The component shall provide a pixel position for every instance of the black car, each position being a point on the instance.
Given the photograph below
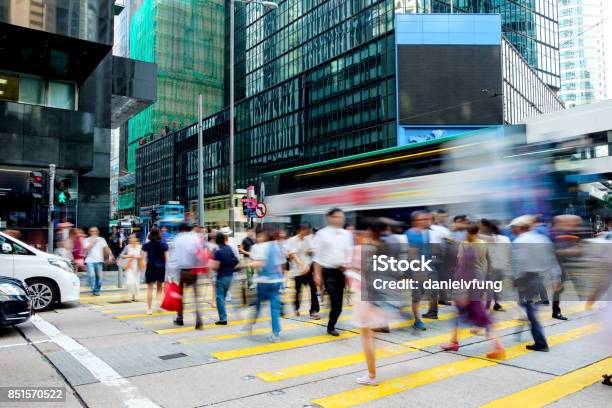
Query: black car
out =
(15, 303)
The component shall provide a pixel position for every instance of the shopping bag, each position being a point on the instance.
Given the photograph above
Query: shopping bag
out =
(204, 256)
(173, 298)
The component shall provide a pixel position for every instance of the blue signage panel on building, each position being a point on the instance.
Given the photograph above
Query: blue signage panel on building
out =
(448, 74)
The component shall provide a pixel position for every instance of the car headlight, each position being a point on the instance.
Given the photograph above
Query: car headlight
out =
(7, 289)
(61, 263)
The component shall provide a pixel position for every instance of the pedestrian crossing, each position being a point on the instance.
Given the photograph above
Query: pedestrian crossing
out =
(381, 353)
(232, 342)
(365, 394)
(555, 389)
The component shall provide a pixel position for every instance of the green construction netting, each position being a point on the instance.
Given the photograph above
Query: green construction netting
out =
(186, 40)
(126, 201)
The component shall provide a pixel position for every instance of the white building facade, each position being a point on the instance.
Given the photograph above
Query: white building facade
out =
(584, 45)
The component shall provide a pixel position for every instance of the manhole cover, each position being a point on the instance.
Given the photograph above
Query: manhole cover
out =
(172, 356)
(277, 392)
(248, 377)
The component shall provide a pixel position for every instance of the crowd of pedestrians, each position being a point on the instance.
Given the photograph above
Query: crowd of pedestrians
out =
(527, 255)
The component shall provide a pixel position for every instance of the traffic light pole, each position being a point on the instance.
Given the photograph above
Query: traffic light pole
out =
(200, 164)
(51, 207)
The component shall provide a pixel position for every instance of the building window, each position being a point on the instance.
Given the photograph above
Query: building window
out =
(32, 90)
(9, 87)
(37, 91)
(61, 95)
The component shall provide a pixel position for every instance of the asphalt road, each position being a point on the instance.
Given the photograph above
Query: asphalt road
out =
(108, 352)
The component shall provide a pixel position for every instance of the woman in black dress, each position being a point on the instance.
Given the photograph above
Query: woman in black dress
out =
(157, 255)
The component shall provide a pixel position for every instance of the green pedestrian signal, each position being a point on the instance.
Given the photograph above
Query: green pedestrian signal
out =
(62, 197)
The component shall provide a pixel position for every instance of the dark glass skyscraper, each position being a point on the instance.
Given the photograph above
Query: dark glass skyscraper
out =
(316, 80)
(61, 91)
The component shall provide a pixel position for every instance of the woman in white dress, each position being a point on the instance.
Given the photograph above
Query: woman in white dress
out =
(133, 257)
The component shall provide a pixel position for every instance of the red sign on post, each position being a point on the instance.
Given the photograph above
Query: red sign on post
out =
(261, 210)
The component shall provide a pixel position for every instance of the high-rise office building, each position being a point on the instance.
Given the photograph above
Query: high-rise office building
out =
(531, 26)
(186, 40)
(583, 45)
(120, 179)
(317, 80)
(61, 92)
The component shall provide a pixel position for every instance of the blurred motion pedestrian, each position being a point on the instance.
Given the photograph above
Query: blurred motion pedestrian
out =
(116, 241)
(227, 231)
(156, 251)
(77, 236)
(543, 228)
(211, 245)
(473, 264)
(183, 256)
(369, 315)
(333, 247)
(224, 263)
(301, 249)
(440, 236)
(268, 260)
(247, 242)
(420, 246)
(499, 252)
(532, 259)
(96, 251)
(248, 284)
(566, 235)
(133, 256)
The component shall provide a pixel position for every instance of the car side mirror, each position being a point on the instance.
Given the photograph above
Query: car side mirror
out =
(7, 248)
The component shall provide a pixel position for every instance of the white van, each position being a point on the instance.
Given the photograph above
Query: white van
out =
(51, 279)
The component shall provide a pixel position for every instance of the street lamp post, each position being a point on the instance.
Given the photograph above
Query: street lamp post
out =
(269, 5)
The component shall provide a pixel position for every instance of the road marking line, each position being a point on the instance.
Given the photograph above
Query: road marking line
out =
(29, 343)
(209, 326)
(396, 385)
(164, 313)
(555, 389)
(356, 358)
(98, 300)
(300, 324)
(87, 299)
(229, 323)
(350, 359)
(128, 393)
(283, 345)
(306, 341)
(314, 367)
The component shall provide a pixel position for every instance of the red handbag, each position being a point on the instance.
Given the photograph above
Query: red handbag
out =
(173, 297)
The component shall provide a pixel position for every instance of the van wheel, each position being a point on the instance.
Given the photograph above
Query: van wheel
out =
(43, 294)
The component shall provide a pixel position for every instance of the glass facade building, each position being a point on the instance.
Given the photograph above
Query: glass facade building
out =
(186, 39)
(583, 50)
(315, 80)
(531, 26)
(525, 93)
(61, 91)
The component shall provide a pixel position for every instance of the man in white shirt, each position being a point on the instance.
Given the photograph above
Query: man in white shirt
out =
(300, 249)
(333, 248)
(96, 250)
(532, 259)
(183, 256)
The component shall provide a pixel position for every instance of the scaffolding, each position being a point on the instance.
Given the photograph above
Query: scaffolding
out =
(186, 39)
